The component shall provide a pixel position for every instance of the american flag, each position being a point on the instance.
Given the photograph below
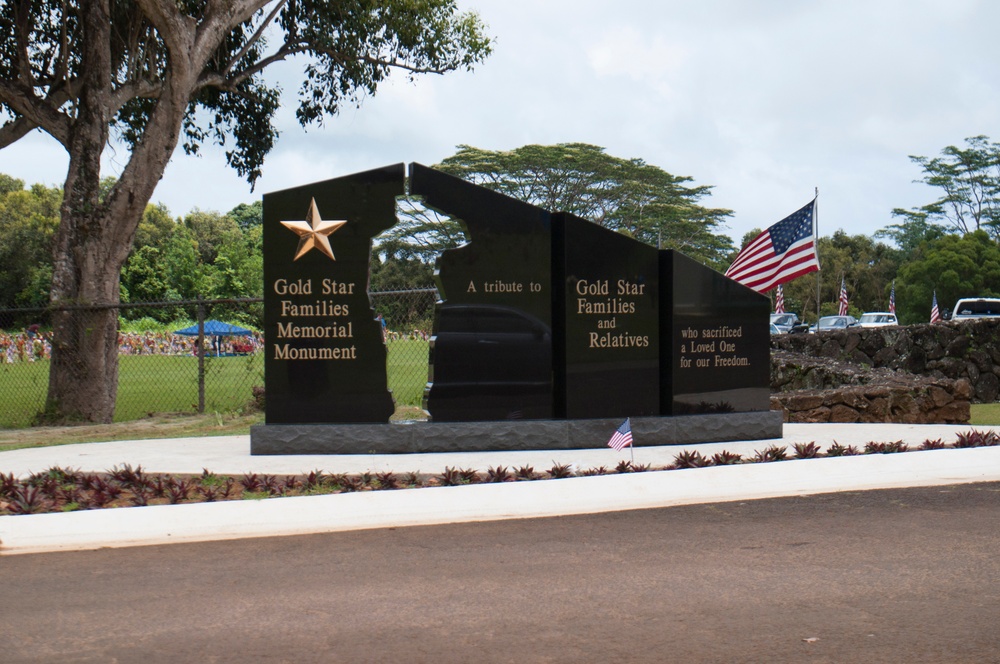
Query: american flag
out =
(781, 253)
(843, 298)
(892, 298)
(935, 312)
(623, 436)
(779, 301)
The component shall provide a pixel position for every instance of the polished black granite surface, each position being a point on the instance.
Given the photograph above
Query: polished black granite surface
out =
(491, 347)
(716, 344)
(325, 359)
(607, 342)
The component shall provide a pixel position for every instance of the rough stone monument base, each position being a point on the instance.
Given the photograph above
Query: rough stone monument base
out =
(509, 435)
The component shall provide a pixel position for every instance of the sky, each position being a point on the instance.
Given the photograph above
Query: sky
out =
(766, 101)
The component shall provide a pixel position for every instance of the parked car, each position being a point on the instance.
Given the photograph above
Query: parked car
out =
(976, 307)
(775, 329)
(830, 323)
(784, 322)
(877, 319)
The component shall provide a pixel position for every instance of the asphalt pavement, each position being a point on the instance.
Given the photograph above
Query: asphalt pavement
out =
(230, 455)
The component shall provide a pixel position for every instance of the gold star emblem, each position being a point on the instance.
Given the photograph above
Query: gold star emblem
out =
(313, 232)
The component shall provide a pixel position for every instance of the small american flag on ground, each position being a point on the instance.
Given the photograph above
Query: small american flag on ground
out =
(935, 312)
(779, 301)
(623, 436)
(781, 253)
(843, 299)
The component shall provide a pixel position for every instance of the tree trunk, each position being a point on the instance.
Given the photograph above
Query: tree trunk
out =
(83, 376)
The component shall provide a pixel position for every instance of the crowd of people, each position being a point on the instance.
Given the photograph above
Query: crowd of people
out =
(27, 346)
(33, 345)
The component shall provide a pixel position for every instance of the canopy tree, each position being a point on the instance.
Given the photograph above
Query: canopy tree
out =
(968, 180)
(625, 195)
(953, 267)
(151, 72)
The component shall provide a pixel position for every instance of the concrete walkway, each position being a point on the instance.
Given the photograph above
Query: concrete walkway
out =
(229, 455)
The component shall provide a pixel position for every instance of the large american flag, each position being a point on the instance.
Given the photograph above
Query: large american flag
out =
(779, 301)
(843, 298)
(892, 298)
(935, 312)
(622, 437)
(781, 253)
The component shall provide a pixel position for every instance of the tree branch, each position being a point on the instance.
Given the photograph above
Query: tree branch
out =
(15, 131)
(38, 112)
(255, 38)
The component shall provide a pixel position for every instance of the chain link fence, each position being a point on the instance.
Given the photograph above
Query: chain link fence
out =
(163, 369)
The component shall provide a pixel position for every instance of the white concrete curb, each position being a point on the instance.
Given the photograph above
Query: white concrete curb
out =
(484, 502)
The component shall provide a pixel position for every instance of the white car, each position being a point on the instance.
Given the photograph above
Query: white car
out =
(877, 319)
(976, 307)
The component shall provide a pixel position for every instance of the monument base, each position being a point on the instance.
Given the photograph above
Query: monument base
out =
(508, 435)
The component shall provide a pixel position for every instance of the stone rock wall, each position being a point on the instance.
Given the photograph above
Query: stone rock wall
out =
(960, 350)
(818, 389)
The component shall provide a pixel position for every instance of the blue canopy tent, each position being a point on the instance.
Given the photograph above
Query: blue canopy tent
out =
(217, 329)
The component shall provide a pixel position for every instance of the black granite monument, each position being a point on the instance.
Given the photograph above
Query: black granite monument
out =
(491, 347)
(325, 360)
(549, 332)
(607, 340)
(716, 348)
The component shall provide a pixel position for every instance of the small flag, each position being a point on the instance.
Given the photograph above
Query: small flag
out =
(892, 298)
(843, 298)
(935, 312)
(779, 301)
(623, 436)
(783, 252)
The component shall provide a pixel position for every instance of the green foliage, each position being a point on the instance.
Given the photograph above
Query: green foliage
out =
(28, 221)
(248, 215)
(625, 195)
(952, 266)
(207, 255)
(968, 180)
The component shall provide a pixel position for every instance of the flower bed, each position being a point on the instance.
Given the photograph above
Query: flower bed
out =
(64, 490)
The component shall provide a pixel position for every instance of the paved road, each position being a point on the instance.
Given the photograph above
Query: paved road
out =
(909, 575)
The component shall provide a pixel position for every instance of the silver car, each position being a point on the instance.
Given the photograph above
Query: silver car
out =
(831, 323)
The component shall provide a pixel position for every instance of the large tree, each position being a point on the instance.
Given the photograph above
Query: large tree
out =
(148, 72)
(951, 267)
(626, 195)
(968, 181)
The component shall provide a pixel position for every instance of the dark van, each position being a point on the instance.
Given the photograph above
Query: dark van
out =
(488, 363)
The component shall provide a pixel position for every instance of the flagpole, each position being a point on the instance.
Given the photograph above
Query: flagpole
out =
(816, 235)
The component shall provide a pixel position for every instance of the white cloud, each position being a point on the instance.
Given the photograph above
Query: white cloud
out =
(763, 99)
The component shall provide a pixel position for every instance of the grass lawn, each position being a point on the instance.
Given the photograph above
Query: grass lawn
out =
(152, 384)
(146, 384)
(407, 367)
(985, 414)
